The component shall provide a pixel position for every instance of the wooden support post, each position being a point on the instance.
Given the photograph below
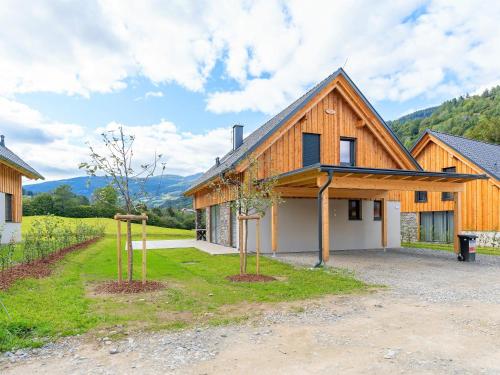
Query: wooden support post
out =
(257, 245)
(130, 254)
(241, 240)
(457, 220)
(384, 222)
(119, 249)
(274, 228)
(144, 251)
(325, 203)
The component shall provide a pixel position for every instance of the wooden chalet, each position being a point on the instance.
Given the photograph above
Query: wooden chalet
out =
(12, 169)
(340, 170)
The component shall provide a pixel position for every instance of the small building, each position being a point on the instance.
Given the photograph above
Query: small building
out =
(12, 169)
(339, 168)
(429, 216)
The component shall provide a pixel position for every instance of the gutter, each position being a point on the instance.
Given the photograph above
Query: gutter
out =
(320, 218)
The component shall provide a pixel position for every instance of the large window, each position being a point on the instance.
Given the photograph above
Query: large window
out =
(446, 196)
(420, 196)
(310, 149)
(377, 210)
(214, 223)
(354, 209)
(8, 207)
(348, 151)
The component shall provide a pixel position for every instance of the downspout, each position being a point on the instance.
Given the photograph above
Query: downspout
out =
(320, 219)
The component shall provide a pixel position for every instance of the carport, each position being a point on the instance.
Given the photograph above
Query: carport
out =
(325, 182)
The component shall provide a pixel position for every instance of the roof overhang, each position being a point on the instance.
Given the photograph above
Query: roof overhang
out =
(23, 171)
(374, 179)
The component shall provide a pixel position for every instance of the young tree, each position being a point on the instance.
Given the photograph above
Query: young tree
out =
(116, 162)
(250, 196)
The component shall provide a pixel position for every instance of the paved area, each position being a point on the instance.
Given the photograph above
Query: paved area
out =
(205, 246)
(436, 316)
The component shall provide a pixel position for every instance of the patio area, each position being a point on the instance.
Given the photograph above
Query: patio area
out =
(205, 246)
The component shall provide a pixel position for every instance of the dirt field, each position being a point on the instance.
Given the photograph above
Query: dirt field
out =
(437, 316)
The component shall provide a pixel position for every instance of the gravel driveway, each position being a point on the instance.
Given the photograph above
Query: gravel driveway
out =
(436, 316)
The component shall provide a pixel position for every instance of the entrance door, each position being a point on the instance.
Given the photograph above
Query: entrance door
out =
(436, 226)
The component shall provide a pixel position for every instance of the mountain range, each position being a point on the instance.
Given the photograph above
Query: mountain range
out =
(162, 191)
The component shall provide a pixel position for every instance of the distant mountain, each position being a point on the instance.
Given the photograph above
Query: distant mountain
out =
(476, 117)
(162, 191)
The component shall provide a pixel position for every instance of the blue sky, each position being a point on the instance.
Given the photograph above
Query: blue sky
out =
(179, 75)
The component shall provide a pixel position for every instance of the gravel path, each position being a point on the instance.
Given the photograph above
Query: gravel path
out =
(437, 316)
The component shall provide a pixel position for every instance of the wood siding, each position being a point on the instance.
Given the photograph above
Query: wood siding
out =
(285, 154)
(11, 183)
(282, 151)
(480, 200)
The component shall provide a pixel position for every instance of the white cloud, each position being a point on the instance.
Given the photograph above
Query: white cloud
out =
(153, 94)
(273, 49)
(56, 149)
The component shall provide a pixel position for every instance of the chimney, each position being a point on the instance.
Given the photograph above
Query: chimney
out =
(237, 136)
(2, 140)
(217, 161)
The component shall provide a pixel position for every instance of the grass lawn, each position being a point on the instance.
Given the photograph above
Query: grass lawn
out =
(197, 292)
(449, 247)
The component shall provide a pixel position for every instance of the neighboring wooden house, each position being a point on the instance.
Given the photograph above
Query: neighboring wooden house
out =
(12, 169)
(339, 169)
(428, 216)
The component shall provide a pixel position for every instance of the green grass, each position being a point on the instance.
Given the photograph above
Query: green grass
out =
(449, 247)
(197, 292)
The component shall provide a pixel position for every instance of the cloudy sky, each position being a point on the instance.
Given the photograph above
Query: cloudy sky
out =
(178, 74)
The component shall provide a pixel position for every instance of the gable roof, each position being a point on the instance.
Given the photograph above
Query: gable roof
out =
(232, 158)
(9, 158)
(484, 155)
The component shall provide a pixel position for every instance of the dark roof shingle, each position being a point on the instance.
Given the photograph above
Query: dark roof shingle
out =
(485, 155)
(9, 157)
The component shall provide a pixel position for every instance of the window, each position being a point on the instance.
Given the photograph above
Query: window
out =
(348, 152)
(420, 196)
(354, 210)
(377, 210)
(310, 149)
(8, 207)
(446, 196)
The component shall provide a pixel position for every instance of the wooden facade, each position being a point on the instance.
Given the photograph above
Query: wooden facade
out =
(11, 183)
(336, 112)
(480, 200)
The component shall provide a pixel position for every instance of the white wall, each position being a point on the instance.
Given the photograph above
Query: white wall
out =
(298, 227)
(8, 230)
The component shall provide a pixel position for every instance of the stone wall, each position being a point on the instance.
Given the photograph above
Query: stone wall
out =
(223, 225)
(487, 239)
(224, 232)
(409, 227)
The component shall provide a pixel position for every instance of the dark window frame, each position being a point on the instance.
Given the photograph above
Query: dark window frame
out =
(358, 212)
(9, 201)
(421, 197)
(352, 151)
(379, 203)
(304, 134)
(445, 195)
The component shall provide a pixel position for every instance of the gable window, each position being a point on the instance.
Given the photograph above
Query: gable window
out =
(348, 152)
(311, 149)
(377, 210)
(446, 196)
(420, 196)
(354, 209)
(8, 207)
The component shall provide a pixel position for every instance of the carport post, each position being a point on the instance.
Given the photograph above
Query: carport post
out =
(457, 220)
(323, 183)
(384, 221)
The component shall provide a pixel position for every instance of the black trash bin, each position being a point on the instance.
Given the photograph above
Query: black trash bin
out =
(467, 247)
